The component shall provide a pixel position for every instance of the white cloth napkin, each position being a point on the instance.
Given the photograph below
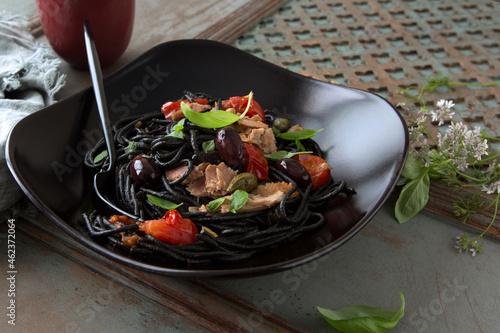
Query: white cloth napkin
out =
(29, 79)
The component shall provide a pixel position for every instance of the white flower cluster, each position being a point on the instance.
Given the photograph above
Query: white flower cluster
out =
(460, 144)
(443, 111)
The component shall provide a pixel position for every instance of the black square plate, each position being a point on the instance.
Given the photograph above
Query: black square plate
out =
(365, 140)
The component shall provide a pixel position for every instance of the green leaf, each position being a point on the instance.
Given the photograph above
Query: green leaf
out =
(169, 205)
(284, 154)
(299, 144)
(208, 146)
(211, 119)
(238, 200)
(215, 204)
(413, 197)
(102, 155)
(177, 132)
(132, 146)
(413, 167)
(298, 135)
(363, 319)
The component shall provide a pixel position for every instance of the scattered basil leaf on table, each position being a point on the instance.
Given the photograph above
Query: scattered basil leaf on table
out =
(363, 319)
(414, 196)
(169, 205)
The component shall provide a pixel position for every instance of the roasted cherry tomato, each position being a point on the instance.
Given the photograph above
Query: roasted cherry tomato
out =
(172, 110)
(256, 162)
(317, 167)
(171, 228)
(240, 105)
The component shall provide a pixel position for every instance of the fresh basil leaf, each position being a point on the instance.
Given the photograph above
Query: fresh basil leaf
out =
(413, 197)
(177, 132)
(238, 199)
(102, 155)
(298, 135)
(215, 204)
(402, 181)
(208, 146)
(280, 154)
(299, 144)
(211, 119)
(413, 167)
(132, 146)
(363, 319)
(169, 205)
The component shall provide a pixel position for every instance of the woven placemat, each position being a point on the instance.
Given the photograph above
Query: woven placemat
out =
(382, 45)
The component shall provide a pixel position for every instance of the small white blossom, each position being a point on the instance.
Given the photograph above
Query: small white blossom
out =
(443, 112)
(492, 188)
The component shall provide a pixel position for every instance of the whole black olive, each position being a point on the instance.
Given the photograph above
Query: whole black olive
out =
(295, 171)
(144, 170)
(230, 147)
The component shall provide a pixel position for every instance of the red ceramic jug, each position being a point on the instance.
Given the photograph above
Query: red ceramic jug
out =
(111, 22)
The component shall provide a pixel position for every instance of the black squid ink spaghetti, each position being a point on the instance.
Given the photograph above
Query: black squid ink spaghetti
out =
(212, 181)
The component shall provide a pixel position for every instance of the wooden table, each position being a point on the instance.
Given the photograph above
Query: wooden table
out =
(61, 286)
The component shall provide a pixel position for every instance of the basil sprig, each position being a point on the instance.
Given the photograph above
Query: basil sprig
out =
(177, 132)
(296, 135)
(238, 200)
(131, 147)
(165, 204)
(363, 319)
(102, 155)
(215, 118)
(280, 154)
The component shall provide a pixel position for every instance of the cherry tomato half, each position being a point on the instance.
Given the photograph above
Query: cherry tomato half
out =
(317, 167)
(240, 104)
(172, 110)
(256, 162)
(171, 228)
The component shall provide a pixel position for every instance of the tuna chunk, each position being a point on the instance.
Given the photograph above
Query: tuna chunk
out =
(262, 197)
(176, 173)
(254, 122)
(262, 138)
(209, 180)
(199, 107)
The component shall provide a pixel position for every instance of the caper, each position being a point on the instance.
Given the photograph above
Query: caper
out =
(243, 181)
(281, 124)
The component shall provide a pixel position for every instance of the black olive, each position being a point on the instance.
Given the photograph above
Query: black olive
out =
(144, 170)
(230, 147)
(295, 171)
